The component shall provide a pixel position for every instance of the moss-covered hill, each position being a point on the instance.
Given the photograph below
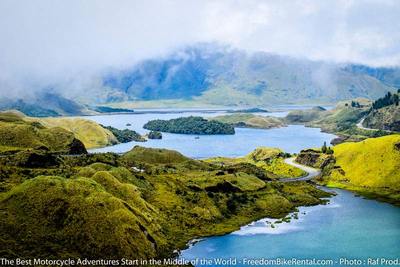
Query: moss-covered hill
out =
(250, 120)
(89, 132)
(144, 204)
(268, 159)
(18, 134)
(370, 167)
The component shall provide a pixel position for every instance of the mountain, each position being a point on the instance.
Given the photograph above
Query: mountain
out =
(45, 104)
(208, 73)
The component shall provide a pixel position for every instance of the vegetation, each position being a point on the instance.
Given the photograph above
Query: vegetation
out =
(387, 100)
(341, 121)
(314, 158)
(386, 119)
(190, 125)
(369, 167)
(326, 149)
(249, 110)
(154, 135)
(143, 204)
(268, 159)
(105, 109)
(385, 113)
(126, 135)
(92, 134)
(250, 120)
(19, 134)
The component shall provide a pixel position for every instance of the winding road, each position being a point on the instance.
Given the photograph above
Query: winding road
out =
(360, 125)
(311, 172)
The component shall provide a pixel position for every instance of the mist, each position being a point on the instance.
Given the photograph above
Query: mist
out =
(68, 45)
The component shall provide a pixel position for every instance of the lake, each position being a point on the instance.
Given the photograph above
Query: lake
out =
(348, 227)
(290, 139)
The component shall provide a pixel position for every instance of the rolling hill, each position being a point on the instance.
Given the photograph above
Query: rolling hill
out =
(369, 167)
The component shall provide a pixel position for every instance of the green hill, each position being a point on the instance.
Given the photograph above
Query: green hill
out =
(268, 159)
(89, 132)
(144, 204)
(342, 120)
(250, 120)
(370, 167)
(18, 133)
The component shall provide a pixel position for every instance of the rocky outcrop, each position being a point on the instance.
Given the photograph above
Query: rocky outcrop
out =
(76, 147)
(314, 158)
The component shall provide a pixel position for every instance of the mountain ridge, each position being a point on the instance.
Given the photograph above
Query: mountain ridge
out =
(208, 73)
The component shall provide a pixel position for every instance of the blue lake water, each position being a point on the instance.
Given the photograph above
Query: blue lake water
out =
(290, 139)
(348, 227)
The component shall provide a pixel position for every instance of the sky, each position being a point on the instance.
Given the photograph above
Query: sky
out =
(53, 40)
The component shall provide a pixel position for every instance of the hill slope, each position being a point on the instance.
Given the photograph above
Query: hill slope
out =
(385, 113)
(99, 206)
(89, 132)
(44, 104)
(369, 167)
(18, 133)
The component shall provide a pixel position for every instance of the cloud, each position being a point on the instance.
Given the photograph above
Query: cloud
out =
(47, 42)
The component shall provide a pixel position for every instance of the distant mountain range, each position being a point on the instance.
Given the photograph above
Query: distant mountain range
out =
(210, 74)
(223, 76)
(45, 104)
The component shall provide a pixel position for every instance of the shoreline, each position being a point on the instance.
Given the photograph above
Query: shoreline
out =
(195, 240)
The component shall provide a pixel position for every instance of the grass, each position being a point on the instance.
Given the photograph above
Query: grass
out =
(370, 167)
(89, 132)
(58, 218)
(372, 163)
(19, 134)
(250, 120)
(98, 206)
(269, 159)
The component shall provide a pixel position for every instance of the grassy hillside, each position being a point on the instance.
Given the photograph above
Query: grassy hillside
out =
(385, 113)
(269, 159)
(89, 132)
(342, 120)
(250, 120)
(386, 118)
(143, 204)
(19, 133)
(370, 167)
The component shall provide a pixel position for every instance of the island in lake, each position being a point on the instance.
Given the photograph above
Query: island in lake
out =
(190, 125)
